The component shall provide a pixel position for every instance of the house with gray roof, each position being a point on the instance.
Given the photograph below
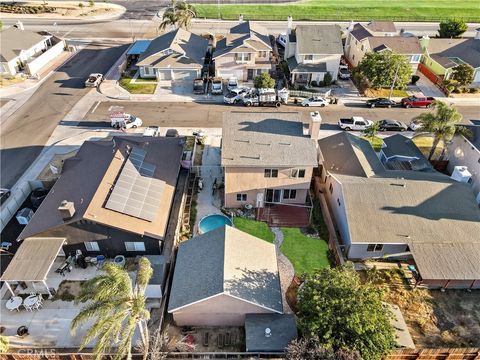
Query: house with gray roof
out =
(400, 153)
(313, 50)
(243, 52)
(268, 158)
(176, 55)
(380, 36)
(396, 214)
(223, 275)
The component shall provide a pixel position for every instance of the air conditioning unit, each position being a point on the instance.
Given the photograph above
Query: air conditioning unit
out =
(461, 174)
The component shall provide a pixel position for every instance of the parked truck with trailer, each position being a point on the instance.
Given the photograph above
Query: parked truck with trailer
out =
(262, 97)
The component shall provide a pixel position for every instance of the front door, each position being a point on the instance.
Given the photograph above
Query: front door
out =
(250, 74)
(273, 195)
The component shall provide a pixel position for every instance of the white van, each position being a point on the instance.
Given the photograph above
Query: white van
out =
(122, 120)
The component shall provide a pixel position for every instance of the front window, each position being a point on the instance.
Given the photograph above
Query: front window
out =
(308, 57)
(271, 173)
(374, 247)
(135, 246)
(297, 173)
(241, 197)
(243, 57)
(92, 246)
(415, 58)
(289, 193)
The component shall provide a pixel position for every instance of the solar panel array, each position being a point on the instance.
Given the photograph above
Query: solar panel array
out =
(137, 193)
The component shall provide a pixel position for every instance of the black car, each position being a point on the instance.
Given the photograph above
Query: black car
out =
(381, 102)
(172, 133)
(391, 125)
(4, 195)
(37, 196)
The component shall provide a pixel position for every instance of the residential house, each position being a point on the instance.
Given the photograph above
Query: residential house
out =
(313, 50)
(28, 52)
(223, 275)
(112, 198)
(382, 213)
(268, 159)
(466, 152)
(380, 36)
(243, 53)
(176, 55)
(400, 153)
(440, 56)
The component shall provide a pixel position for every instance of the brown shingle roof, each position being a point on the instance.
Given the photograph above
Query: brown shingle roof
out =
(382, 26)
(398, 44)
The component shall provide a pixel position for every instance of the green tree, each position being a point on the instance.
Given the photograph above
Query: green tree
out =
(264, 81)
(463, 74)
(372, 131)
(380, 69)
(342, 314)
(309, 349)
(452, 28)
(441, 124)
(118, 307)
(178, 14)
(327, 79)
(4, 344)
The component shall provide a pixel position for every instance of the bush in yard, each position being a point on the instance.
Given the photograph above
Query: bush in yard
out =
(463, 74)
(327, 79)
(264, 81)
(380, 68)
(314, 83)
(340, 313)
(309, 349)
(415, 78)
(452, 28)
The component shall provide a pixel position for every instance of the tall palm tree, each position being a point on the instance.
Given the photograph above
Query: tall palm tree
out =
(441, 124)
(118, 308)
(178, 14)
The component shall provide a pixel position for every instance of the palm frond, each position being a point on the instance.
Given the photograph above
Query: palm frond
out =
(144, 272)
(462, 130)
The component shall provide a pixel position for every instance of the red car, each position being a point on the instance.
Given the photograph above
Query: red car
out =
(417, 101)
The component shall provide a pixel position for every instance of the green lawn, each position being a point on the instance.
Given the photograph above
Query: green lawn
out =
(255, 228)
(374, 93)
(306, 254)
(359, 10)
(376, 142)
(136, 88)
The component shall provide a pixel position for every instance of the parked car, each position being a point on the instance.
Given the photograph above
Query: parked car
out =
(235, 95)
(282, 39)
(391, 125)
(232, 83)
(4, 195)
(380, 102)
(315, 101)
(172, 133)
(37, 196)
(418, 101)
(5, 245)
(354, 123)
(94, 80)
(343, 72)
(217, 86)
(262, 97)
(124, 121)
(198, 86)
(415, 125)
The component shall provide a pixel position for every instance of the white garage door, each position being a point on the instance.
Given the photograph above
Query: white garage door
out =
(227, 74)
(184, 74)
(164, 75)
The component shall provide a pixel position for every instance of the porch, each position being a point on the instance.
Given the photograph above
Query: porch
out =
(283, 215)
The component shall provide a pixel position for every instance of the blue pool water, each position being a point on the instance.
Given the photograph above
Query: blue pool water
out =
(211, 222)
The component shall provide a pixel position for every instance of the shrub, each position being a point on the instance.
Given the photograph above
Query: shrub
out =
(473, 90)
(327, 79)
(91, 3)
(415, 78)
(314, 83)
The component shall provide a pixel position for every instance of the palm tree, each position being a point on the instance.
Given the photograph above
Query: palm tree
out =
(441, 124)
(178, 14)
(118, 308)
(371, 131)
(4, 344)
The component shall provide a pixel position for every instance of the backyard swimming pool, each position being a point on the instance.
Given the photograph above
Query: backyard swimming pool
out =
(211, 222)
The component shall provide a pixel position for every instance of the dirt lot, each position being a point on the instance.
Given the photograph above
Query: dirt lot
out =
(435, 318)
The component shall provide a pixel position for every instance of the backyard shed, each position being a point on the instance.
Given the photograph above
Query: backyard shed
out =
(269, 332)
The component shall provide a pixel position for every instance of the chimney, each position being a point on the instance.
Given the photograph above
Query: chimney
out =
(477, 34)
(289, 25)
(424, 42)
(66, 210)
(314, 125)
(350, 26)
(19, 25)
(240, 19)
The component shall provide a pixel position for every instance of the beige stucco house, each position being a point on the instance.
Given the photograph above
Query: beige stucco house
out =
(380, 36)
(243, 53)
(223, 275)
(268, 158)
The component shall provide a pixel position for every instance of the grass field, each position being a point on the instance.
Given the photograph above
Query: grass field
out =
(133, 88)
(359, 10)
(306, 254)
(255, 228)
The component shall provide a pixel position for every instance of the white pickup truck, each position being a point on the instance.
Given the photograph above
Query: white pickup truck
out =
(354, 123)
(120, 120)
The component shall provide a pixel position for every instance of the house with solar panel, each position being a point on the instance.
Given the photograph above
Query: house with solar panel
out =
(112, 198)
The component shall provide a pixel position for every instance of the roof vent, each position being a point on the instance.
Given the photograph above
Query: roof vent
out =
(268, 332)
(67, 210)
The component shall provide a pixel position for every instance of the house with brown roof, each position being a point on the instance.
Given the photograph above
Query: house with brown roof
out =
(392, 213)
(268, 158)
(380, 36)
(112, 198)
(244, 52)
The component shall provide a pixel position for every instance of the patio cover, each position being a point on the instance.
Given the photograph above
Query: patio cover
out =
(138, 47)
(33, 259)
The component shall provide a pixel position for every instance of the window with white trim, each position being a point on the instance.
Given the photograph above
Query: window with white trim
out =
(241, 197)
(308, 58)
(91, 246)
(415, 58)
(271, 173)
(243, 57)
(374, 247)
(297, 173)
(135, 246)
(289, 193)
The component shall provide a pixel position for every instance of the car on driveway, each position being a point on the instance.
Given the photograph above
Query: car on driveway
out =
(380, 102)
(391, 125)
(216, 86)
(235, 95)
(93, 80)
(315, 101)
(343, 72)
(232, 83)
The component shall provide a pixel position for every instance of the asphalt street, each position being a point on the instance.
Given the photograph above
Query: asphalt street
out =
(25, 132)
(202, 115)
